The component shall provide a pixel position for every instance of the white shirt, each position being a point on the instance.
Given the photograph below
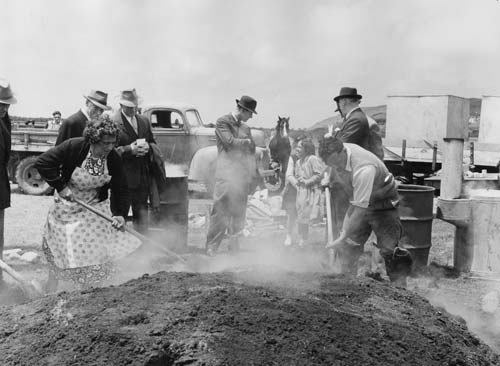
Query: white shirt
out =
(362, 181)
(84, 111)
(132, 120)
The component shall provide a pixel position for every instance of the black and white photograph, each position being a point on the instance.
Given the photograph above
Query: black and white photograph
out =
(264, 182)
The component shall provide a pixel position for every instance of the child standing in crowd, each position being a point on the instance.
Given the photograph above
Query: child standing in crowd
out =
(308, 172)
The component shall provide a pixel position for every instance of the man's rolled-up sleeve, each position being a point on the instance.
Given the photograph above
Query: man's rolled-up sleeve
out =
(362, 182)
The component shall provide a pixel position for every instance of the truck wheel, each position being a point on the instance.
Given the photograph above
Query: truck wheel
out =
(28, 178)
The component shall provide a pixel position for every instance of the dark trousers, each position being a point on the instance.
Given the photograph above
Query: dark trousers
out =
(138, 199)
(228, 212)
(2, 221)
(387, 228)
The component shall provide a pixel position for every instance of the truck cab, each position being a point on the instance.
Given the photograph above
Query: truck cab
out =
(179, 131)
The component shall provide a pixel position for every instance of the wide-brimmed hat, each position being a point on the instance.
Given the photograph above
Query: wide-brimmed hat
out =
(6, 95)
(247, 103)
(347, 92)
(99, 99)
(129, 98)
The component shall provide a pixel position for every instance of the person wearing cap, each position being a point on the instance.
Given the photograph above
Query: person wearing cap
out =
(73, 126)
(134, 146)
(56, 122)
(373, 202)
(234, 175)
(7, 98)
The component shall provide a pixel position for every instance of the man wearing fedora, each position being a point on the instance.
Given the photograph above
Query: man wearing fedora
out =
(134, 145)
(73, 126)
(6, 99)
(234, 175)
(354, 129)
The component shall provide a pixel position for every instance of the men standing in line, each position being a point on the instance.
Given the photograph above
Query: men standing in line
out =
(73, 126)
(133, 145)
(373, 207)
(6, 99)
(235, 172)
(56, 122)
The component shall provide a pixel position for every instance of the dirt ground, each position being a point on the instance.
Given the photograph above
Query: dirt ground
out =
(264, 306)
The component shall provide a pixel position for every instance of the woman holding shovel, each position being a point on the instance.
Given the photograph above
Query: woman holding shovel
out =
(79, 245)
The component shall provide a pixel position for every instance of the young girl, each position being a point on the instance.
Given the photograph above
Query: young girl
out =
(308, 171)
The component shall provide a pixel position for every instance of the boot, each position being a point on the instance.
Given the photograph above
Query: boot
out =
(398, 266)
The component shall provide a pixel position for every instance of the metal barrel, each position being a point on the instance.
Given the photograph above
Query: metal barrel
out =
(169, 224)
(416, 214)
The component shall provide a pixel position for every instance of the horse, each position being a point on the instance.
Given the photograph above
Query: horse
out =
(280, 149)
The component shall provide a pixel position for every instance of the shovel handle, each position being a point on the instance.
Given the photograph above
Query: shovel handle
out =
(331, 253)
(129, 230)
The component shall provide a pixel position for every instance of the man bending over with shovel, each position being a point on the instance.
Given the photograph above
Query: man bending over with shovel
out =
(373, 207)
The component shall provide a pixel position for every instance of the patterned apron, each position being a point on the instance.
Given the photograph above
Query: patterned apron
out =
(78, 244)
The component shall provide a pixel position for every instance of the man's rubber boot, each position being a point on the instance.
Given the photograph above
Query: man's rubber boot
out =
(399, 266)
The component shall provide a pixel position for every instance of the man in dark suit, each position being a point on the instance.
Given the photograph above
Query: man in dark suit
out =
(354, 129)
(234, 175)
(6, 99)
(133, 145)
(73, 126)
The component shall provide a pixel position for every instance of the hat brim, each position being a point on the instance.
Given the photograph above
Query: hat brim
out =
(127, 103)
(355, 96)
(246, 108)
(96, 103)
(11, 100)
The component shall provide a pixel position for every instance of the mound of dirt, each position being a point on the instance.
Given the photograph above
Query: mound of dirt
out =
(254, 317)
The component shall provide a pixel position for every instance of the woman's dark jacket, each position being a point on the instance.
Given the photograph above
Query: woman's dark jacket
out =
(5, 144)
(57, 165)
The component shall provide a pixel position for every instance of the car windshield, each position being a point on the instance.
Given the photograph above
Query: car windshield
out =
(193, 118)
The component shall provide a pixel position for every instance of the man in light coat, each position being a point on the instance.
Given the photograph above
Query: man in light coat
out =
(235, 173)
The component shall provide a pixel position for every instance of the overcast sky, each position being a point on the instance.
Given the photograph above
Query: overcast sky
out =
(291, 55)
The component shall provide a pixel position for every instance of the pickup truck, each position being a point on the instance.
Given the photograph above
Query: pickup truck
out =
(178, 130)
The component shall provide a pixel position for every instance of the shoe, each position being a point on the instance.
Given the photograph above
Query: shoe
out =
(288, 241)
(302, 243)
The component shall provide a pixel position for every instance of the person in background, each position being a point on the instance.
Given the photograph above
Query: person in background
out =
(7, 98)
(372, 207)
(134, 142)
(234, 175)
(309, 171)
(79, 245)
(55, 123)
(73, 126)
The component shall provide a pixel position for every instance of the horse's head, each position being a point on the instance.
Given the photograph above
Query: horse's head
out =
(282, 126)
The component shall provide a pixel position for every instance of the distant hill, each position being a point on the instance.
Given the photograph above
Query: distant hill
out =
(378, 113)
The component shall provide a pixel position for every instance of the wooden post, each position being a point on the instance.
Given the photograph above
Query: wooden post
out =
(471, 160)
(403, 152)
(452, 174)
(434, 156)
